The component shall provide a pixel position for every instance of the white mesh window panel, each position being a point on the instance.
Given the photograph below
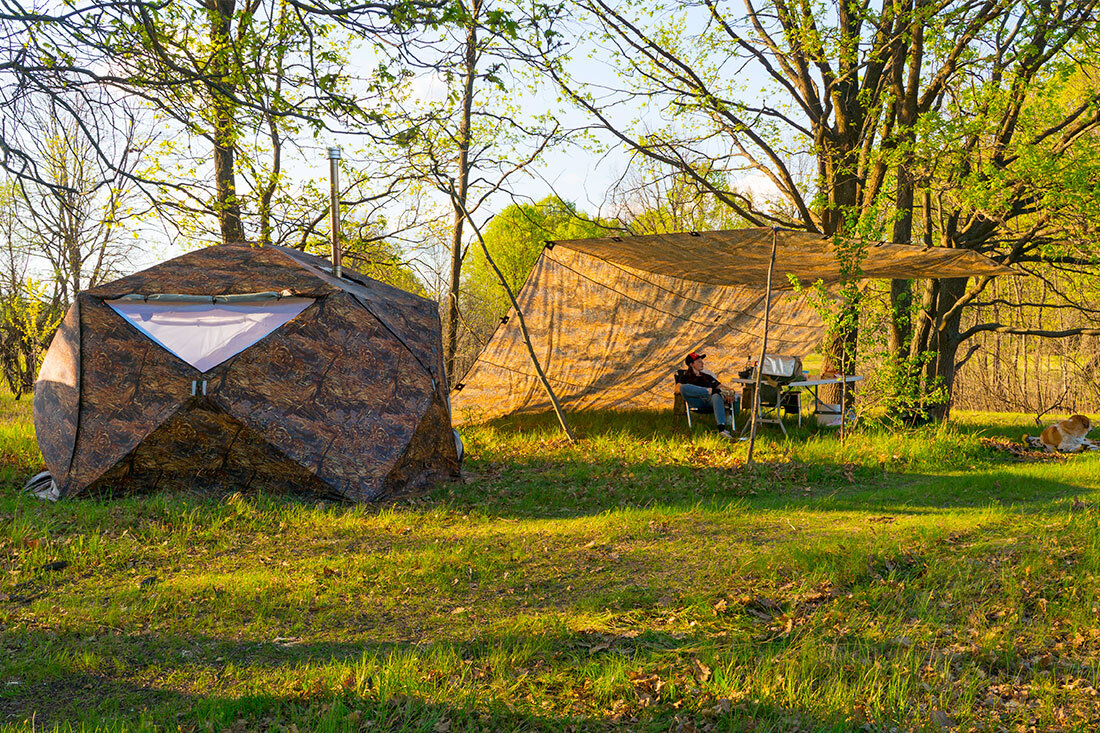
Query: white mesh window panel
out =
(206, 334)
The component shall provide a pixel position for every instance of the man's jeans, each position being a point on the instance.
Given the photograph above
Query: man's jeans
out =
(698, 397)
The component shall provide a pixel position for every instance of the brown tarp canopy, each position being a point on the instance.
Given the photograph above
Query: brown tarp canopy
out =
(741, 257)
(612, 318)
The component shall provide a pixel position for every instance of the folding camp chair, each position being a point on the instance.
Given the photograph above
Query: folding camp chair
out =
(679, 399)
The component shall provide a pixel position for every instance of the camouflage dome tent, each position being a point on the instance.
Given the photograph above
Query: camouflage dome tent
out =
(611, 319)
(237, 367)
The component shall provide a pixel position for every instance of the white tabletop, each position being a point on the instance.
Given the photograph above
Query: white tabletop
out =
(848, 378)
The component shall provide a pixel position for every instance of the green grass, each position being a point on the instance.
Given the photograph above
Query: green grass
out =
(642, 579)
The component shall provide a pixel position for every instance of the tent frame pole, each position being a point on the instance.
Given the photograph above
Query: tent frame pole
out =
(522, 323)
(763, 351)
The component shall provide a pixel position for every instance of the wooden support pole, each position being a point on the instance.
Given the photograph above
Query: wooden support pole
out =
(763, 351)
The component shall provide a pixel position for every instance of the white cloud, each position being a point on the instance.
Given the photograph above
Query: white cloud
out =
(428, 88)
(759, 187)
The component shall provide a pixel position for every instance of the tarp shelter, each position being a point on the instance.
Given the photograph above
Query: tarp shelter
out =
(246, 367)
(612, 318)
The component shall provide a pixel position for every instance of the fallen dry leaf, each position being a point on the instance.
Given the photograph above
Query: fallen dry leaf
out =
(722, 706)
(762, 608)
(701, 671)
(942, 719)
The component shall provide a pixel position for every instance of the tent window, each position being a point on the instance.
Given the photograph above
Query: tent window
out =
(206, 334)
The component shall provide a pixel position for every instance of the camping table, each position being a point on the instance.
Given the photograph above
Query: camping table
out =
(812, 384)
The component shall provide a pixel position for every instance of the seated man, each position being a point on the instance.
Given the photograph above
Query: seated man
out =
(699, 387)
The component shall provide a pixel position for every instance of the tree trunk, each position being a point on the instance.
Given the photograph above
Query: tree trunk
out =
(906, 93)
(901, 291)
(845, 184)
(901, 300)
(840, 356)
(461, 187)
(226, 203)
(945, 342)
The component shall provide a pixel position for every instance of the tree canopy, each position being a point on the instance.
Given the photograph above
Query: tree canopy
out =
(953, 123)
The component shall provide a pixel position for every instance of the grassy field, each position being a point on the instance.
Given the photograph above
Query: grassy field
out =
(642, 579)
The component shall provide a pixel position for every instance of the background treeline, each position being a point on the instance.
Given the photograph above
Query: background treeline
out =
(946, 123)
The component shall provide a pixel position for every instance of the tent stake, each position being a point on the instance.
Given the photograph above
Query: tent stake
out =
(522, 324)
(763, 351)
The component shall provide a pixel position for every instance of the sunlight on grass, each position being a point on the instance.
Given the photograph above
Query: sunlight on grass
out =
(643, 578)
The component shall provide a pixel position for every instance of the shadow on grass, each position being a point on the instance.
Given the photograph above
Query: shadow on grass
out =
(650, 460)
(522, 467)
(142, 683)
(643, 425)
(581, 490)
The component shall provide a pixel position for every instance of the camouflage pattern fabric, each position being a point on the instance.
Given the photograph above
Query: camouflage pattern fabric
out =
(348, 399)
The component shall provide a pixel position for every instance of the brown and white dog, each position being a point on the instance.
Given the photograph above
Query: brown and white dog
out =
(1067, 436)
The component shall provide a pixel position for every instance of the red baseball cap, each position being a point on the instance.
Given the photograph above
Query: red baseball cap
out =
(693, 357)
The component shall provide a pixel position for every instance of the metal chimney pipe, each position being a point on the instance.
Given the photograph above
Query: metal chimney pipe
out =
(334, 199)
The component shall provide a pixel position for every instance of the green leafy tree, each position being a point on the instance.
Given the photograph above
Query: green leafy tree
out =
(29, 308)
(819, 93)
(1014, 177)
(469, 140)
(234, 83)
(515, 237)
(854, 89)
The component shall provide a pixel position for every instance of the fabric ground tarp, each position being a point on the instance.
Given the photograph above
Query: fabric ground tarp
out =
(611, 319)
(347, 398)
